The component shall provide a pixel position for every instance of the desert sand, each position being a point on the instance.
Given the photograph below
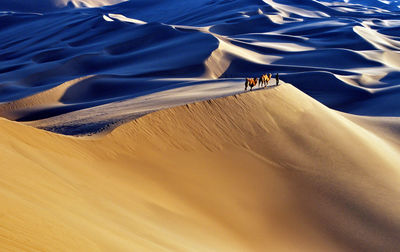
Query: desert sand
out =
(124, 125)
(84, 69)
(267, 170)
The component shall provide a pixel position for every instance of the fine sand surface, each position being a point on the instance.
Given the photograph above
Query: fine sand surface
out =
(167, 152)
(268, 170)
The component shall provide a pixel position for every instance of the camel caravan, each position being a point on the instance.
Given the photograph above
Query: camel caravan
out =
(262, 81)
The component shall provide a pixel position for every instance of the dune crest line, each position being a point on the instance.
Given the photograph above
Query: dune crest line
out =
(116, 195)
(342, 53)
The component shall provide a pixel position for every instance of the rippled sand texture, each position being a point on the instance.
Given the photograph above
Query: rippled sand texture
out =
(179, 158)
(262, 171)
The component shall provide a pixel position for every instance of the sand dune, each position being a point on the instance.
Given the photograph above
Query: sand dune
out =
(52, 5)
(132, 49)
(267, 170)
(172, 153)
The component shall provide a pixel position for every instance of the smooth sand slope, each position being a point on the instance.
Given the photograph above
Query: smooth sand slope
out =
(67, 109)
(270, 170)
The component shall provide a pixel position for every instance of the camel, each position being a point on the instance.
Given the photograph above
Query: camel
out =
(250, 82)
(264, 79)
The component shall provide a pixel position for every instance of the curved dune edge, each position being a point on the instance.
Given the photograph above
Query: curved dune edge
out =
(51, 97)
(261, 171)
(52, 5)
(214, 40)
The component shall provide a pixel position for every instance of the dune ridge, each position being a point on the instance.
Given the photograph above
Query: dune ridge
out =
(53, 5)
(129, 44)
(270, 169)
(124, 125)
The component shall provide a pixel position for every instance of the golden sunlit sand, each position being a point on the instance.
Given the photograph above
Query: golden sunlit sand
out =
(268, 170)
